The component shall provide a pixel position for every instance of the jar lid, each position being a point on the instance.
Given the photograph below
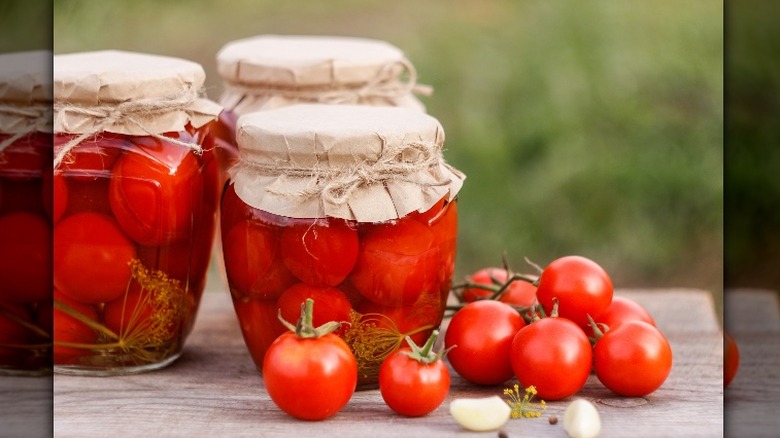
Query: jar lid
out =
(276, 70)
(128, 93)
(364, 163)
(25, 93)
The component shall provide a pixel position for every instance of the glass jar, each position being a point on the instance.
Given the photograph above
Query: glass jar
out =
(272, 71)
(352, 206)
(25, 214)
(135, 201)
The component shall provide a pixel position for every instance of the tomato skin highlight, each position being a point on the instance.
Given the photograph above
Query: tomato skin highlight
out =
(554, 355)
(581, 286)
(633, 359)
(483, 332)
(312, 378)
(412, 388)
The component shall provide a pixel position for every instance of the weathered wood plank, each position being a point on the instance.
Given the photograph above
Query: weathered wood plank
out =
(213, 389)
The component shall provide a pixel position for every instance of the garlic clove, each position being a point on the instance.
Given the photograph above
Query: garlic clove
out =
(480, 414)
(581, 419)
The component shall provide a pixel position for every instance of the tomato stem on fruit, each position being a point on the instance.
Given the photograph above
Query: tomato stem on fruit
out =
(425, 354)
(304, 328)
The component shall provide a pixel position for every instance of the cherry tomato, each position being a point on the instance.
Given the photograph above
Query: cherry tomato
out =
(483, 332)
(134, 311)
(332, 305)
(55, 195)
(554, 355)
(27, 157)
(309, 375)
(519, 292)
(414, 381)
(259, 325)
(730, 359)
(632, 359)
(69, 329)
(91, 256)
(25, 258)
(253, 261)
(155, 190)
(581, 286)
(397, 262)
(88, 196)
(321, 253)
(417, 322)
(619, 311)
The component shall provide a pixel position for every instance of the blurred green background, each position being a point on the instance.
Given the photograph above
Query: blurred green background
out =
(591, 128)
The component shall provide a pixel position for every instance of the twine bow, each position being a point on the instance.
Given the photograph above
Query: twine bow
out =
(34, 117)
(386, 84)
(336, 185)
(128, 112)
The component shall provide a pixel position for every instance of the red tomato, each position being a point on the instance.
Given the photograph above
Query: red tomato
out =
(155, 190)
(310, 378)
(321, 253)
(581, 286)
(91, 256)
(26, 158)
(483, 332)
(89, 196)
(332, 305)
(93, 158)
(519, 292)
(25, 258)
(397, 262)
(554, 355)
(632, 359)
(445, 231)
(619, 311)
(69, 329)
(259, 324)
(730, 359)
(133, 312)
(414, 381)
(253, 261)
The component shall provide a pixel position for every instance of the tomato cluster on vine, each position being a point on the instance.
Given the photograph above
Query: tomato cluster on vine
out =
(566, 324)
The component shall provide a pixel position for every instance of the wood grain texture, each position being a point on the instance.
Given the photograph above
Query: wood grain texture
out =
(214, 390)
(752, 400)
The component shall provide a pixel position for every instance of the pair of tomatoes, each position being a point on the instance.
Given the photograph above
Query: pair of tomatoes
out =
(399, 269)
(554, 353)
(121, 199)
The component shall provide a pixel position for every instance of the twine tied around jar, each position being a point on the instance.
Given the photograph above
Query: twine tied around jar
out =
(131, 111)
(32, 118)
(336, 185)
(387, 83)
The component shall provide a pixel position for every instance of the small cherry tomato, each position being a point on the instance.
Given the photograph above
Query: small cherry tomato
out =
(581, 286)
(25, 258)
(417, 322)
(93, 158)
(552, 354)
(91, 256)
(632, 359)
(519, 292)
(27, 157)
(414, 381)
(309, 372)
(260, 326)
(322, 252)
(134, 313)
(483, 332)
(249, 249)
(332, 305)
(397, 262)
(730, 359)
(155, 190)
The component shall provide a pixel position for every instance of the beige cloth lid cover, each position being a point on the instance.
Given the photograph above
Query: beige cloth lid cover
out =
(364, 163)
(128, 93)
(25, 93)
(270, 71)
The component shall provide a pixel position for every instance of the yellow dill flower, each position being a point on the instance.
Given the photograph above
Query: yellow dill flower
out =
(522, 405)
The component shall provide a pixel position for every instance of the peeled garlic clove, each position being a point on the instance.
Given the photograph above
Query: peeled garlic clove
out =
(480, 414)
(581, 419)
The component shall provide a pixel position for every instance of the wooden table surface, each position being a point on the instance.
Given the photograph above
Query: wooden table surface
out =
(214, 390)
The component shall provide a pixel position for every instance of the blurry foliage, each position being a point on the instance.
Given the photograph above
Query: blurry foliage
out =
(25, 25)
(592, 128)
